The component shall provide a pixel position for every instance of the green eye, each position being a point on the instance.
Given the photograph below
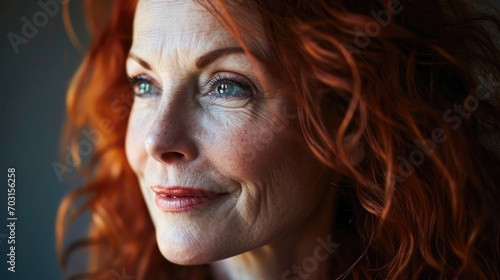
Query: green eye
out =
(141, 86)
(229, 88)
(225, 89)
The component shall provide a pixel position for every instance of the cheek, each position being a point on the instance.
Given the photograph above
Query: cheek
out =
(255, 147)
(134, 142)
(240, 146)
(267, 157)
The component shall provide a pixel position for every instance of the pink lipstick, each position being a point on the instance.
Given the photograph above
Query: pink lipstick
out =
(177, 199)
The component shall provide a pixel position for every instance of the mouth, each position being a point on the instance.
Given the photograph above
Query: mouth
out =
(182, 199)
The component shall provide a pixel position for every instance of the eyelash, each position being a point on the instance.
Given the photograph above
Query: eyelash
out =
(136, 80)
(223, 78)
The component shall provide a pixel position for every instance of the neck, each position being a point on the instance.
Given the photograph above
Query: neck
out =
(302, 253)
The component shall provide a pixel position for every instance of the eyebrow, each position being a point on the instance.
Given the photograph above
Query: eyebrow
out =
(141, 61)
(205, 60)
(201, 62)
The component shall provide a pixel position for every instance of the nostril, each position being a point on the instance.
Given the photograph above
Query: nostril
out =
(172, 156)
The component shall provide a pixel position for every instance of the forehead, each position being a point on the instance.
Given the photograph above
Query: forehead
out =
(179, 23)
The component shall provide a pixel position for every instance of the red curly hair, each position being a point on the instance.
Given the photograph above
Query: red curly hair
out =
(396, 98)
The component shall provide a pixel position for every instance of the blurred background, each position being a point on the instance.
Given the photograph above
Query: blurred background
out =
(34, 75)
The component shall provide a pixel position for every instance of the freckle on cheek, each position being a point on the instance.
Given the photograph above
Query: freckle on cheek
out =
(259, 150)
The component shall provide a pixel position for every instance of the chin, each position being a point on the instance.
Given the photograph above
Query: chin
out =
(183, 257)
(189, 254)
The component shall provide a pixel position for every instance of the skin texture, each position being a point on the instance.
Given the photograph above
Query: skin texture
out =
(247, 145)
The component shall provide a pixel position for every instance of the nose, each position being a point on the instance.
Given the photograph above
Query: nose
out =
(169, 138)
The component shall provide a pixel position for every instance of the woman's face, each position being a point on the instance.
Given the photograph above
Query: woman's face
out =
(217, 152)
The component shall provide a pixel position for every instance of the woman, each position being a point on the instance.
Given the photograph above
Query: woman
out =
(288, 140)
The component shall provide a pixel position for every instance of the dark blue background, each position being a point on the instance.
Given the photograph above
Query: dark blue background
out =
(33, 85)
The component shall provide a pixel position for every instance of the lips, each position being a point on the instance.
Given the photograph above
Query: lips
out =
(182, 199)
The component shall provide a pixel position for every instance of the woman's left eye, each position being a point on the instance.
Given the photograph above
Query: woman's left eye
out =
(227, 88)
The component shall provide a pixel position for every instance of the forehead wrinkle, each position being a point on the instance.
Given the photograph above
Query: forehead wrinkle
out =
(172, 45)
(160, 4)
(153, 10)
(167, 55)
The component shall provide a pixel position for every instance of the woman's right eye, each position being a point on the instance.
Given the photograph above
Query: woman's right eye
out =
(141, 86)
